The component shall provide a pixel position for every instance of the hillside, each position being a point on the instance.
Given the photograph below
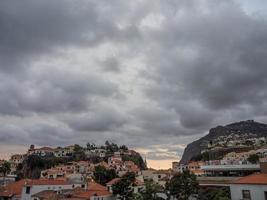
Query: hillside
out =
(249, 127)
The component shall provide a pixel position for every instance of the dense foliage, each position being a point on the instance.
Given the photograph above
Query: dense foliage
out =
(254, 159)
(123, 188)
(150, 193)
(137, 159)
(5, 168)
(182, 185)
(103, 175)
(215, 194)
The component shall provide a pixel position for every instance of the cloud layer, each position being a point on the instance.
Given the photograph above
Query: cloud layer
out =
(150, 74)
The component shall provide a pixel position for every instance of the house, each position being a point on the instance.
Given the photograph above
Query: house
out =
(44, 151)
(62, 152)
(161, 177)
(32, 187)
(12, 191)
(93, 192)
(15, 160)
(148, 174)
(96, 152)
(252, 187)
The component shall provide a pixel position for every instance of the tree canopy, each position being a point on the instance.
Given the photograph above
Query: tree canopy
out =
(123, 188)
(103, 175)
(182, 185)
(254, 158)
(5, 168)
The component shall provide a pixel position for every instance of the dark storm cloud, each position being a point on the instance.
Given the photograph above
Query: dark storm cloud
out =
(216, 58)
(163, 71)
(101, 118)
(51, 93)
(31, 28)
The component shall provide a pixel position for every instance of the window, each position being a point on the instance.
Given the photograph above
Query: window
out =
(265, 195)
(246, 194)
(28, 190)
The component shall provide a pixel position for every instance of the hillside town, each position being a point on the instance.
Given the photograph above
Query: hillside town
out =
(115, 172)
(83, 173)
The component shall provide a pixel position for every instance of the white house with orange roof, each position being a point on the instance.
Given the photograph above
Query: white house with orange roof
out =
(252, 187)
(44, 151)
(32, 187)
(12, 191)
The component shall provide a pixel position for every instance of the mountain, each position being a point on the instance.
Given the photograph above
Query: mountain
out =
(244, 127)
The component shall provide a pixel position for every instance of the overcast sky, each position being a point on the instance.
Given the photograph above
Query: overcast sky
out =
(151, 74)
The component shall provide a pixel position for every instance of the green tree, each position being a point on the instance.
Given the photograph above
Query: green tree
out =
(215, 194)
(103, 175)
(90, 146)
(111, 147)
(182, 185)
(152, 188)
(137, 159)
(123, 188)
(5, 168)
(77, 148)
(254, 158)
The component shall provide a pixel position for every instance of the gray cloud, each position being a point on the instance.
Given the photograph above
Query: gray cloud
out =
(101, 118)
(140, 73)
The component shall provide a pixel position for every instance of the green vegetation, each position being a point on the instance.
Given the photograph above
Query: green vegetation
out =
(103, 175)
(137, 159)
(182, 186)
(33, 165)
(215, 194)
(151, 190)
(254, 159)
(5, 168)
(123, 187)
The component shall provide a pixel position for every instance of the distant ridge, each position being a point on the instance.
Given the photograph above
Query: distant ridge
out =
(242, 127)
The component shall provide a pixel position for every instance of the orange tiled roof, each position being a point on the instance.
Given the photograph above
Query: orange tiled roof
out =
(96, 187)
(113, 181)
(255, 179)
(13, 188)
(47, 182)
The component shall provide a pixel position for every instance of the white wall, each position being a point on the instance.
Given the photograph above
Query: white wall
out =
(38, 188)
(256, 191)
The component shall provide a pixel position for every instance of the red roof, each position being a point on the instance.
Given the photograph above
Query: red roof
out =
(254, 179)
(94, 189)
(13, 189)
(113, 181)
(47, 182)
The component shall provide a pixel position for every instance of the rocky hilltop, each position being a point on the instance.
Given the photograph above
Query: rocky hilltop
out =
(248, 127)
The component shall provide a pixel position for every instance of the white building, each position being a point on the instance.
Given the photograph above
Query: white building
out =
(32, 187)
(252, 187)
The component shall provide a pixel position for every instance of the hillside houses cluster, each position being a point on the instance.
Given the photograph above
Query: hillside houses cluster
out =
(234, 140)
(75, 179)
